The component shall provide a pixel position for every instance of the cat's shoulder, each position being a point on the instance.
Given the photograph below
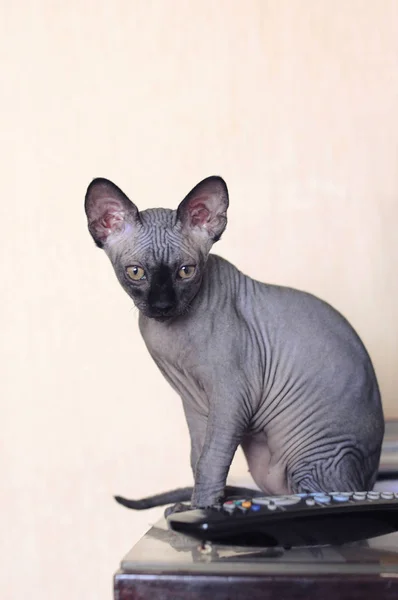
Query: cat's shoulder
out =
(217, 262)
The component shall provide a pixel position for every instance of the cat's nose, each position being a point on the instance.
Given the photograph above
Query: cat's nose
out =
(162, 305)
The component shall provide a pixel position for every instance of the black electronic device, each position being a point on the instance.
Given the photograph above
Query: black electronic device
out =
(293, 520)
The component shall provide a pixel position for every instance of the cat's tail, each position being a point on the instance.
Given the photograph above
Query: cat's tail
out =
(171, 497)
(182, 495)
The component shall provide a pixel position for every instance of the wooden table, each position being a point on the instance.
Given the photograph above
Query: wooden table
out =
(168, 566)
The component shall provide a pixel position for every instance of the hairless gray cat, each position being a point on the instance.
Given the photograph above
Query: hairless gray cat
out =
(273, 369)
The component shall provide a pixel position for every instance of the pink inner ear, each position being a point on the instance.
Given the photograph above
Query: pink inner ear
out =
(199, 213)
(110, 220)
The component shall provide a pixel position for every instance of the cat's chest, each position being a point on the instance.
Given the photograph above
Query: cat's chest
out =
(169, 343)
(180, 360)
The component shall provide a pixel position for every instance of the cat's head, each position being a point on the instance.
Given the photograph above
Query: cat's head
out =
(158, 254)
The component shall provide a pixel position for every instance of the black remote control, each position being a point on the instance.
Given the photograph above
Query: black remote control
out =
(296, 520)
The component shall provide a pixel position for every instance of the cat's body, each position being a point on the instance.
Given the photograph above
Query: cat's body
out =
(271, 368)
(299, 372)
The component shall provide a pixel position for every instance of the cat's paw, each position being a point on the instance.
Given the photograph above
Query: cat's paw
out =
(176, 508)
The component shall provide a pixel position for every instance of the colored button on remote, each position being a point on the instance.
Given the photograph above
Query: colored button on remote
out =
(341, 497)
(347, 494)
(243, 506)
(322, 498)
(229, 506)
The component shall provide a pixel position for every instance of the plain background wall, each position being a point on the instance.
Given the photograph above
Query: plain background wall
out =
(294, 103)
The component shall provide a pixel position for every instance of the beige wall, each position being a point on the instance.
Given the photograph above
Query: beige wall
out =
(294, 102)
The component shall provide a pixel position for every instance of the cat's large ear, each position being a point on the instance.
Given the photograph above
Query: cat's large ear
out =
(205, 207)
(108, 210)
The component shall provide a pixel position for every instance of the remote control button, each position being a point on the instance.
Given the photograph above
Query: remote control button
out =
(264, 500)
(286, 500)
(229, 506)
(256, 507)
(242, 505)
(340, 498)
(373, 495)
(322, 498)
(302, 495)
(272, 506)
(310, 502)
(359, 496)
(387, 495)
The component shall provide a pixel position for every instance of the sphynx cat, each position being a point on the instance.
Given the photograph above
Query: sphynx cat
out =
(273, 369)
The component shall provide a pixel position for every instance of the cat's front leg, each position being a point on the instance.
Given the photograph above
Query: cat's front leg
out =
(197, 425)
(226, 425)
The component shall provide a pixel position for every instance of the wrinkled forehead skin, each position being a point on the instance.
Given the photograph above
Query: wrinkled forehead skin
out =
(159, 239)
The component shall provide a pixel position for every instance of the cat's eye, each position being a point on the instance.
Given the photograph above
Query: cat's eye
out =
(136, 273)
(186, 271)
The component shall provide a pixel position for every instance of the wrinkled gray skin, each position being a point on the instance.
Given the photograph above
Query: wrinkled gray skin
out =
(273, 369)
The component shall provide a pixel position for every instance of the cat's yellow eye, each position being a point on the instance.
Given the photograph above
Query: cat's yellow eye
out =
(136, 273)
(186, 271)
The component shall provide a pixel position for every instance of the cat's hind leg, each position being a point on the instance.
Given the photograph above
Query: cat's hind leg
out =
(348, 473)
